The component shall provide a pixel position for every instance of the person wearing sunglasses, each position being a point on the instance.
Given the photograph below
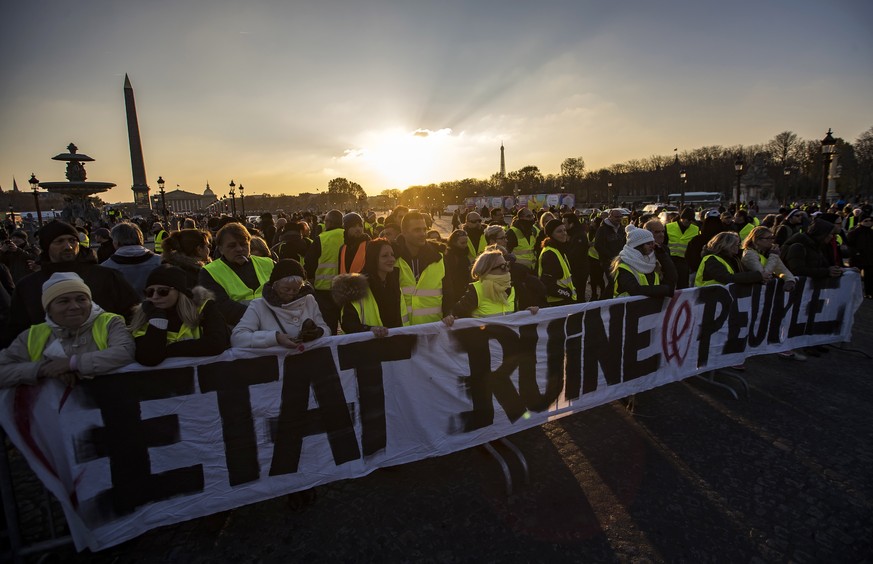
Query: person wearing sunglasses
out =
(492, 292)
(77, 340)
(175, 320)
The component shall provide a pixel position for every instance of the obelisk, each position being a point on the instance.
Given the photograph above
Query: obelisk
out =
(140, 188)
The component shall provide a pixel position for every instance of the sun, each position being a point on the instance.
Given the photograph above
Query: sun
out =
(401, 158)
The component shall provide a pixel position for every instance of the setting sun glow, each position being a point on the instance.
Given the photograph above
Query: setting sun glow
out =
(401, 158)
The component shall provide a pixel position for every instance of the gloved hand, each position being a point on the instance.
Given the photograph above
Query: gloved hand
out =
(153, 312)
(309, 331)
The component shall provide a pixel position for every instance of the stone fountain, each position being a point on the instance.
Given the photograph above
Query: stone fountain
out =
(77, 191)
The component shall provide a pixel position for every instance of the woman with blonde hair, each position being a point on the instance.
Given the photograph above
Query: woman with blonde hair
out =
(760, 253)
(491, 293)
(721, 263)
(175, 320)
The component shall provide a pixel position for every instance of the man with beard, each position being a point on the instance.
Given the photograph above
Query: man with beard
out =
(422, 271)
(475, 235)
(353, 252)
(521, 238)
(679, 234)
(60, 244)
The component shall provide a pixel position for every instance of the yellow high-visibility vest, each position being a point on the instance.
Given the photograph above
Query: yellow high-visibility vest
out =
(424, 297)
(159, 248)
(699, 281)
(328, 261)
(368, 310)
(37, 335)
(488, 307)
(233, 285)
(524, 251)
(679, 241)
(641, 278)
(566, 280)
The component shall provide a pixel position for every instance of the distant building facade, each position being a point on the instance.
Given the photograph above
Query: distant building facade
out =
(181, 202)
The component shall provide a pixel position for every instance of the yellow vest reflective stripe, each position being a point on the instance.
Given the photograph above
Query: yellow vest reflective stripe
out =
(756, 221)
(328, 261)
(233, 285)
(565, 282)
(699, 281)
(839, 239)
(183, 334)
(524, 251)
(488, 307)
(744, 232)
(473, 252)
(159, 248)
(679, 241)
(641, 278)
(423, 299)
(850, 222)
(38, 335)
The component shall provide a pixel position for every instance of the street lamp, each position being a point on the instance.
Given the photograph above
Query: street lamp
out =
(163, 200)
(242, 201)
(786, 172)
(233, 197)
(34, 185)
(828, 148)
(609, 197)
(12, 215)
(739, 164)
(683, 176)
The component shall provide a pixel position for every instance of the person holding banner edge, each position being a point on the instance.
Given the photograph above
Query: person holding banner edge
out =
(77, 340)
(634, 268)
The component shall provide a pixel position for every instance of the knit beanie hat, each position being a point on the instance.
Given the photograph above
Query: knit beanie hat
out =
(350, 220)
(54, 229)
(792, 213)
(637, 236)
(285, 268)
(820, 229)
(552, 225)
(169, 275)
(62, 283)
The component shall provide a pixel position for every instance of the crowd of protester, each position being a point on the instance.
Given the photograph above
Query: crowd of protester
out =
(77, 300)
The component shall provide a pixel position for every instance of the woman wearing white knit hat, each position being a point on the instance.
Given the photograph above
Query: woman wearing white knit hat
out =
(634, 268)
(77, 340)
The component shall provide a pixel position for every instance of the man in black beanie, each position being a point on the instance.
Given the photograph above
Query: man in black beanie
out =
(59, 242)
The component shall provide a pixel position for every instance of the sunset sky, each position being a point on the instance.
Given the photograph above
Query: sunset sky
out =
(283, 96)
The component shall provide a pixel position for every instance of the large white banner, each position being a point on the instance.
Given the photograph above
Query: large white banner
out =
(128, 452)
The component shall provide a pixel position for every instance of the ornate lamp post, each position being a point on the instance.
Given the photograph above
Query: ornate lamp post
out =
(828, 148)
(786, 172)
(609, 196)
(233, 197)
(34, 185)
(242, 201)
(739, 164)
(163, 200)
(683, 177)
(12, 215)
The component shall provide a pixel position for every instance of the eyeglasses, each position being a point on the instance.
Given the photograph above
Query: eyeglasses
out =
(504, 267)
(162, 292)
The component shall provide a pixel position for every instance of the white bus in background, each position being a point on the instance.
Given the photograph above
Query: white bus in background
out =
(698, 199)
